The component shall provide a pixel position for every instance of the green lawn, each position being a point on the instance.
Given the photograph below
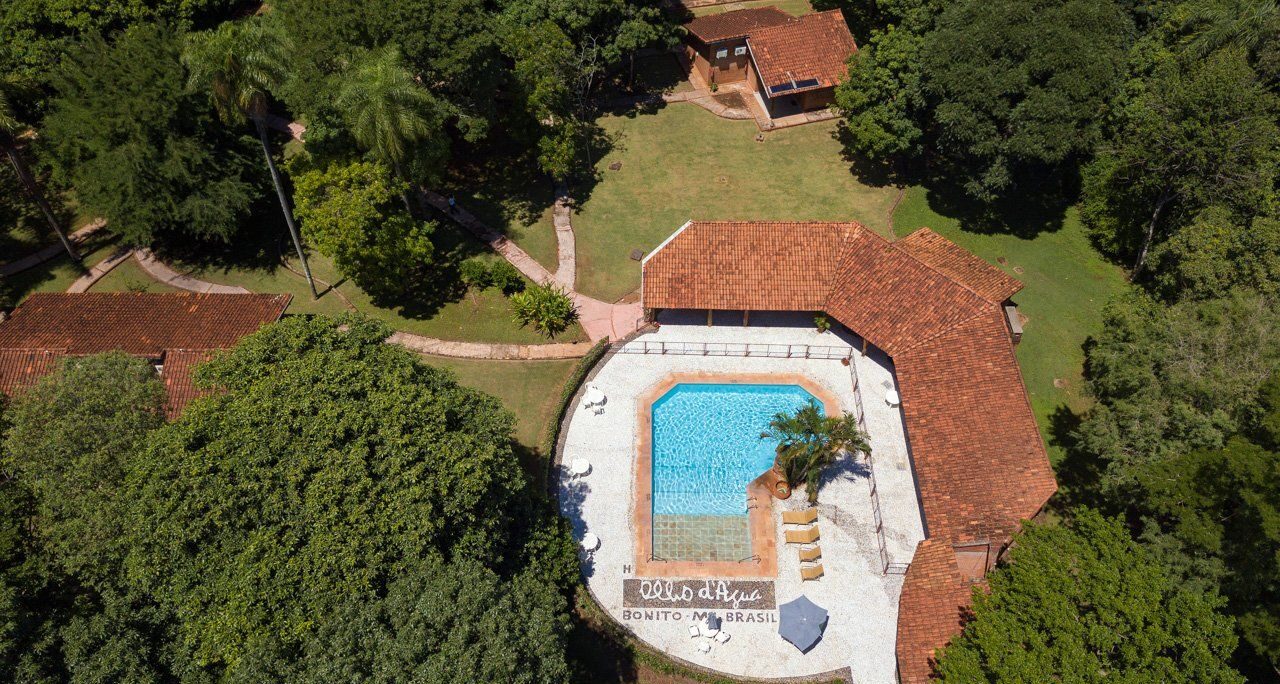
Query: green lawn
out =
(683, 162)
(129, 277)
(451, 314)
(57, 274)
(529, 389)
(1066, 284)
(514, 199)
(792, 7)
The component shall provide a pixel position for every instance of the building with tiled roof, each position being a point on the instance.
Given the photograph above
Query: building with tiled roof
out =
(940, 313)
(174, 331)
(792, 64)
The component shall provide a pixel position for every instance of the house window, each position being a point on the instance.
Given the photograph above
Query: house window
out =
(722, 53)
(740, 51)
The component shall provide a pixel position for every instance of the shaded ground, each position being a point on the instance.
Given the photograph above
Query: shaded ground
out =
(58, 273)
(129, 277)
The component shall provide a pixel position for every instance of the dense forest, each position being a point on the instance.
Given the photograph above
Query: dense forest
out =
(135, 550)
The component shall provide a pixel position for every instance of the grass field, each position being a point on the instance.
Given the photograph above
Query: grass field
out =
(57, 274)
(529, 389)
(129, 277)
(1066, 283)
(448, 313)
(683, 162)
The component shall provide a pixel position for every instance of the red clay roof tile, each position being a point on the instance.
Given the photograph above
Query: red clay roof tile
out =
(181, 329)
(978, 457)
(813, 47)
(736, 24)
(960, 264)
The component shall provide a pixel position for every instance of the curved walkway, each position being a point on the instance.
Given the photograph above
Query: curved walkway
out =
(419, 343)
(600, 319)
(98, 270)
(43, 255)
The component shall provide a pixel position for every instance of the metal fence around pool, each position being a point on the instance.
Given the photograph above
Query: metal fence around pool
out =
(743, 349)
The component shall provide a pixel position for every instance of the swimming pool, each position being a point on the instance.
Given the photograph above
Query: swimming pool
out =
(707, 446)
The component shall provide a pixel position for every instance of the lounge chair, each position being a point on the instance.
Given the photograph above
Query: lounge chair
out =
(810, 555)
(808, 535)
(805, 517)
(812, 572)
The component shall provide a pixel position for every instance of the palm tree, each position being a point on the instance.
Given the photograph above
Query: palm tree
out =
(388, 110)
(10, 88)
(239, 64)
(809, 441)
(1242, 23)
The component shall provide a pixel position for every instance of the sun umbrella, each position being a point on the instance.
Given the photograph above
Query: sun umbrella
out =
(801, 622)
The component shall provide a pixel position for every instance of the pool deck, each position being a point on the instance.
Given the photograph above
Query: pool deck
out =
(861, 598)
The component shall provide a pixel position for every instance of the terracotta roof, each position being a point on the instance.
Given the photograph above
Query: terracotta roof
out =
(814, 47)
(178, 383)
(736, 24)
(796, 261)
(960, 264)
(144, 324)
(21, 368)
(978, 458)
(180, 329)
(933, 602)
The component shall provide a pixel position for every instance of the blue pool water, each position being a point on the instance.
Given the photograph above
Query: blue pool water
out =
(707, 445)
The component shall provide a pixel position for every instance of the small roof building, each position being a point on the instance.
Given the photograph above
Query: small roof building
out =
(174, 331)
(939, 312)
(792, 63)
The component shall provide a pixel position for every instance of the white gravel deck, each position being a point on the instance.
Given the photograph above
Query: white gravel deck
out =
(862, 600)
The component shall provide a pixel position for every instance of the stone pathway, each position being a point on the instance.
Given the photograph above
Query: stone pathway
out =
(32, 260)
(98, 270)
(160, 271)
(600, 319)
(566, 246)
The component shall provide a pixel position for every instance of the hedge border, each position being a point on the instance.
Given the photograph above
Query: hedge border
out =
(551, 435)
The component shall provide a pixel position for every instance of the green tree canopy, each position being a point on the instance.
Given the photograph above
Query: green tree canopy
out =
(1174, 379)
(70, 442)
(326, 465)
(348, 211)
(1085, 603)
(1021, 85)
(1191, 136)
(1214, 254)
(138, 148)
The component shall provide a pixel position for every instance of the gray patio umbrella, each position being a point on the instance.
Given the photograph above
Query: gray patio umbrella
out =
(801, 622)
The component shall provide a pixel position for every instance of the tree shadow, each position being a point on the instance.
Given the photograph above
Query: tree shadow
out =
(1080, 472)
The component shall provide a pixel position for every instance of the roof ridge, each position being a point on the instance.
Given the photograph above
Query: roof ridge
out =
(939, 271)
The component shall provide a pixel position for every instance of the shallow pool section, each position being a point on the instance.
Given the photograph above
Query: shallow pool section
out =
(706, 450)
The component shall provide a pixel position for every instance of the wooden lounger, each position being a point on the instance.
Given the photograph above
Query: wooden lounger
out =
(808, 515)
(811, 573)
(811, 554)
(808, 535)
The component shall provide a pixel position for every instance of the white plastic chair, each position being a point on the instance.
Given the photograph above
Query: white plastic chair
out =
(694, 632)
(704, 646)
(722, 637)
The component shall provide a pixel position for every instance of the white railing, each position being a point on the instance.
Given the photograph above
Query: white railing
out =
(887, 567)
(744, 349)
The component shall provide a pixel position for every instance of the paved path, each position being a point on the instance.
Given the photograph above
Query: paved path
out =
(98, 270)
(160, 271)
(32, 260)
(600, 319)
(566, 245)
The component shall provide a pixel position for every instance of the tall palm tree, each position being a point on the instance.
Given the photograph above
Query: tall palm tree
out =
(10, 88)
(239, 64)
(809, 441)
(388, 110)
